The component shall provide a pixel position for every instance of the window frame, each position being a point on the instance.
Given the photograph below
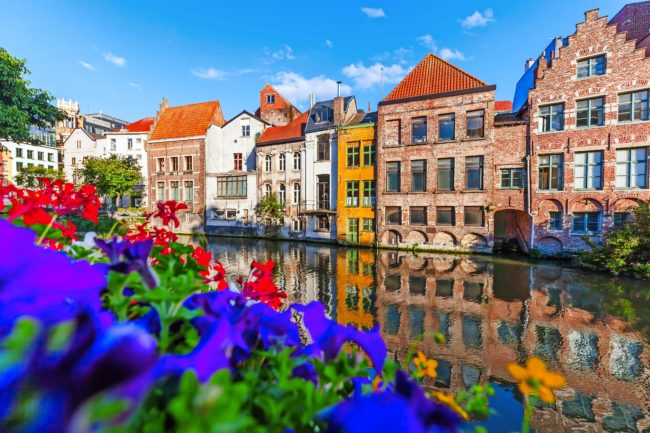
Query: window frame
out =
(418, 209)
(394, 210)
(552, 167)
(511, 178)
(480, 209)
(632, 106)
(353, 155)
(469, 169)
(589, 109)
(452, 216)
(629, 165)
(352, 193)
(397, 173)
(297, 157)
(419, 122)
(440, 126)
(323, 149)
(420, 171)
(232, 186)
(369, 193)
(470, 114)
(268, 163)
(585, 220)
(589, 66)
(553, 220)
(369, 155)
(547, 120)
(587, 174)
(282, 162)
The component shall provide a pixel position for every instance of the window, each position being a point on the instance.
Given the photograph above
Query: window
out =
(621, 218)
(282, 162)
(296, 193)
(588, 170)
(50, 157)
(296, 161)
(19, 152)
(267, 190)
(550, 172)
(632, 168)
(419, 175)
(369, 155)
(267, 163)
(282, 193)
(232, 186)
(41, 156)
(368, 225)
(189, 190)
(323, 153)
(160, 194)
(129, 143)
(296, 226)
(188, 163)
(19, 165)
(270, 98)
(447, 127)
(113, 145)
(419, 130)
(474, 172)
(418, 215)
(475, 124)
(238, 161)
(473, 216)
(161, 165)
(138, 140)
(446, 174)
(173, 191)
(353, 155)
(231, 214)
(78, 144)
(551, 117)
(512, 177)
(352, 193)
(323, 114)
(393, 216)
(591, 67)
(393, 176)
(633, 107)
(445, 216)
(555, 220)
(323, 191)
(590, 112)
(30, 154)
(323, 223)
(586, 222)
(369, 193)
(74, 161)
(174, 163)
(245, 128)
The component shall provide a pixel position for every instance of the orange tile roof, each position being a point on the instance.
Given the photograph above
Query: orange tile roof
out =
(187, 120)
(142, 125)
(502, 105)
(293, 129)
(433, 75)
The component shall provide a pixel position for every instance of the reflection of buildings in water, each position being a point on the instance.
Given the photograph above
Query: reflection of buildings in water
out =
(490, 317)
(355, 282)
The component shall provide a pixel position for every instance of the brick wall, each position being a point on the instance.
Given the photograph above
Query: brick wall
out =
(277, 113)
(627, 69)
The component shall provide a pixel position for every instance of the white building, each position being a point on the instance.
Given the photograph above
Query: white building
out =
(231, 177)
(29, 155)
(79, 146)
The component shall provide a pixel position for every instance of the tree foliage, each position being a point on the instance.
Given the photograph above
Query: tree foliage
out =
(28, 176)
(113, 176)
(21, 106)
(270, 207)
(626, 250)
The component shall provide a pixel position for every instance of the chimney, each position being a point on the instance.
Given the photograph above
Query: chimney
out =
(338, 88)
(529, 64)
(164, 104)
(312, 99)
(338, 106)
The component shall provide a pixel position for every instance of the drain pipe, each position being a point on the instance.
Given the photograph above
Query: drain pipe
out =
(528, 194)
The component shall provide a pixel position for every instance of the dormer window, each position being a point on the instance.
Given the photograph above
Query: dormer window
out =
(270, 98)
(322, 115)
(591, 66)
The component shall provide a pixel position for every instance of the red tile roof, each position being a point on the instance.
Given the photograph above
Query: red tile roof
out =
(433, 75)
(142, 125)
(502, 105)
(187, 120)
(292, 130)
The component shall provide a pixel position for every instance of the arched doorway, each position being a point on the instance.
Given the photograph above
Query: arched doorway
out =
(512, 230)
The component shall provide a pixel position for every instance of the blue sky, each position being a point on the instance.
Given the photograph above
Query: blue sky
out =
(122, 57)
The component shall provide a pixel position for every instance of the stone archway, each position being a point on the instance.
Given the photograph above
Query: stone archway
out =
(551, 246)
(444, 241)
(512, 229)
(416, 237)
(474, 242)
(391, 237)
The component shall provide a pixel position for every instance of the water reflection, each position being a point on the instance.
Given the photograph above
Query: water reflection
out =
(492, 312)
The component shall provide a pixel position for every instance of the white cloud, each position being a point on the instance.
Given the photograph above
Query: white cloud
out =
(112, 58)
(136, 86)
(365, 77)
(329, 43)
(297, 88)
(478, 19)
(374, 12)
(87, 65)
(209, 74)
(451, 54)
(284, 53)
(400, 55)
(428, 42)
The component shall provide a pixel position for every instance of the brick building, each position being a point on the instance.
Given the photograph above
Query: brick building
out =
(176, 152)
(589, 131)
(436, 160)
(275, 108)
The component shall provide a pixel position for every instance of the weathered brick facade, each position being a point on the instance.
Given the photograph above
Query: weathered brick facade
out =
(627, 69)
(275, 108)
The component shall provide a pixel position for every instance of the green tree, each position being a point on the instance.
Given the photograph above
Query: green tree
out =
(21, 106)
(28, 176)
(270, 207)
(113, 176)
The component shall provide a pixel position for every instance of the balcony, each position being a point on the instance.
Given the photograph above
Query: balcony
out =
(321, 207)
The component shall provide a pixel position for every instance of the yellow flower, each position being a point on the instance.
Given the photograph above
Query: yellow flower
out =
(535, 379)
(449, 401)
(424, 367)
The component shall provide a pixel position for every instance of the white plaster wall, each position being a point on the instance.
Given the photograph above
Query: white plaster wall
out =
(89, 147)
(12, 147)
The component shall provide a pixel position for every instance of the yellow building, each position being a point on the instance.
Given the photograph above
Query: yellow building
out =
(6, 166)
(355, 280)
(357, 188)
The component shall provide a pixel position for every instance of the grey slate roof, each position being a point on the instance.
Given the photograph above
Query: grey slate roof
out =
(321, 115)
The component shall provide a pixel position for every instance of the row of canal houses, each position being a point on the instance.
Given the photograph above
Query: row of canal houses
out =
(441, 164)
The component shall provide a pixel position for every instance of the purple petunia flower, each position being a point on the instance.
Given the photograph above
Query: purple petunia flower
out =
(126, 257)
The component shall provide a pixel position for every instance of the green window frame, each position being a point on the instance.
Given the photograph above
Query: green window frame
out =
(369, 155)
(352, 193)
(369, 193)
(353, 155)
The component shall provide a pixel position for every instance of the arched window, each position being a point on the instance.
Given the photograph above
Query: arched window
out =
(267, 163)
(296, 161)
(283, 162)
(282, 193)
(267, 190)
(296, 193)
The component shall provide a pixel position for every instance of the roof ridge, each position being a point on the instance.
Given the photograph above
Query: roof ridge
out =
(196, 103)
(456, 67)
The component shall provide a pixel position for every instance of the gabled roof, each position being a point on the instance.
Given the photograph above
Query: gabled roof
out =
(90, 135)
(142, 125)
(187, 120)
(292, 131)
(249, 114)
(431, 76)
(313, 125)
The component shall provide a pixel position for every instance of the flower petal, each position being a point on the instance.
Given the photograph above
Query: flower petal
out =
(517, 371)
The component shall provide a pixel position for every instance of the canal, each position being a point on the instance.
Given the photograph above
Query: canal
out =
(592, 328)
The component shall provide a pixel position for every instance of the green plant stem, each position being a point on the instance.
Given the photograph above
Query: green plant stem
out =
(47, 229)
(528, 414)
(110, 233)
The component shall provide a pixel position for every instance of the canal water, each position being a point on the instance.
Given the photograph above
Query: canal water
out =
(592, 328)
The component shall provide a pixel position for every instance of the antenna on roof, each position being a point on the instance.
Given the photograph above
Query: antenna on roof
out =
(338, 88)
